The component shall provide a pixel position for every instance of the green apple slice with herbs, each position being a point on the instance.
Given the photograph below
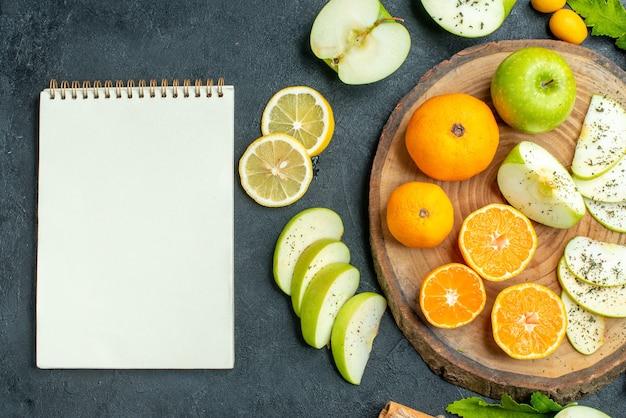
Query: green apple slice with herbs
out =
(610, 186)
(533, 90)
(534, 182)
(301, 231)
(353, 334)
(601, 300)
(602, 140)
(317, 255)
(467, 18)
(596, 262)
(580, 411)
(331, 287)
(360, 40)
(609, 215)
(585, 330)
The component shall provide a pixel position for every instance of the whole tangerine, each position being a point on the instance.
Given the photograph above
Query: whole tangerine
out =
(419, 214)
(452, 136)
(568, 26)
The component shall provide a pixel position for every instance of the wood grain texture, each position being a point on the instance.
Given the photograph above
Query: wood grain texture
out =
(468, 356)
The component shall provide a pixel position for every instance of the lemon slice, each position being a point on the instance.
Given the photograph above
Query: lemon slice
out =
(303, 113)
(275, 170)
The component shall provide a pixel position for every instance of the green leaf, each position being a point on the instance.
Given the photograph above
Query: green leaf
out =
(476, 407)
(544, 404)
(604, 17)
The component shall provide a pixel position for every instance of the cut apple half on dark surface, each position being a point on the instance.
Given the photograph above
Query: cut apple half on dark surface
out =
(360, 40)
(353, 334)
(331, 287)
(302, 230)
(468, 18)
(315, 257)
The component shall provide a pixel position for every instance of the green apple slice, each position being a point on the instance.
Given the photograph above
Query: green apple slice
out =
(534, 182)
(601, 142)
(353, 334)
(585, 330)
(317, 255)
(467, 18)
(609, 186)
(610, 215)
(360, 40)
(601, 300)
(331, 287)
(580, 411)
(596, 262)
(301, 231)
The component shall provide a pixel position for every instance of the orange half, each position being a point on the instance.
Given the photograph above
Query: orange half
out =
(497, 241)
(452, 295)
(529, 321)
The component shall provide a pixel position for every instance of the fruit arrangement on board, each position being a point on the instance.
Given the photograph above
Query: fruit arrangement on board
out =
(451, 138)
(533, 91)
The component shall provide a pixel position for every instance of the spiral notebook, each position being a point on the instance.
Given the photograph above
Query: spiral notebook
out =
(135, 226)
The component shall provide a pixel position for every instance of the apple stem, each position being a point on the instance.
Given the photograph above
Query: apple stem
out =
(358, 39)
(545, 84)
(387, 19)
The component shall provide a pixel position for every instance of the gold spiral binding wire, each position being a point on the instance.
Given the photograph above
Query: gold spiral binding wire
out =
(120, 89)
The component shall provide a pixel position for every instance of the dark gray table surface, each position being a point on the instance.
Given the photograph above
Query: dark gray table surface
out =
(259, 47)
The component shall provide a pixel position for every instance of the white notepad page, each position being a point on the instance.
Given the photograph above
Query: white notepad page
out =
(135, 229)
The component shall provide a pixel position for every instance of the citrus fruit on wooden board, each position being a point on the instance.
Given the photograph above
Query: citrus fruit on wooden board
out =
(452, 296)
(468, 356)
(529, 321)
(452, 136)
(303, 113)
(275, 170)
(497, 241)
(419, 214)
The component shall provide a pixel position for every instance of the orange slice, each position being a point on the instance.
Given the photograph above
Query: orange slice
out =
(529, 321)
(452, 295)
(497, 241)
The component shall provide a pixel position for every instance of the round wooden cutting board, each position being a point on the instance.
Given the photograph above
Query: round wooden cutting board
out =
(468, 356)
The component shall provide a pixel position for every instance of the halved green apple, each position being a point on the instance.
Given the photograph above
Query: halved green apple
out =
(596, 262)
(301, 231)
(360, 40)
(601, 300)
(317, 255)
(468, 18)
(601, 142)
(585, 330)
(353, 334)
(610, 215)
(534, 182)
(329, 289)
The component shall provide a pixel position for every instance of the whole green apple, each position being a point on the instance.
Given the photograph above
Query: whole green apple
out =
(533, 90)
